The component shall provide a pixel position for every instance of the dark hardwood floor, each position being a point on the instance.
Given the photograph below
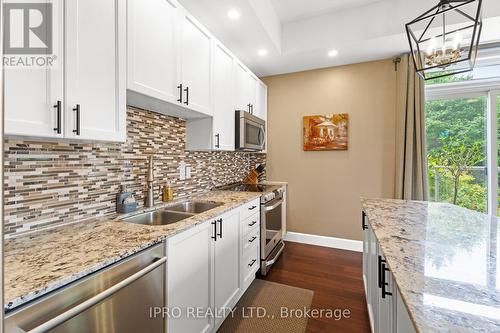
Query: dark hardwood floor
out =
(334, 275)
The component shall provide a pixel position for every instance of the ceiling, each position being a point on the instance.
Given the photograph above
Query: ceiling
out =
(298, 34)
(292, 10)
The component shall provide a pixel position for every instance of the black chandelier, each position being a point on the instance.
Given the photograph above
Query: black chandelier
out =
(444, 40)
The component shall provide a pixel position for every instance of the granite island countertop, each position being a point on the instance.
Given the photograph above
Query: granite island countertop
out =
(444, 261)
(40, 262)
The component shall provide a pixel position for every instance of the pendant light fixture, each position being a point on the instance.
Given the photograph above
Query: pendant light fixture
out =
(444, 40)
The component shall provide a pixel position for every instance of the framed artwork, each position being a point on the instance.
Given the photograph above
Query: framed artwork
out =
(328, 132)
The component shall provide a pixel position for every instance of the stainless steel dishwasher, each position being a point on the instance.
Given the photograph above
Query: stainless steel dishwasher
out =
(115, 299)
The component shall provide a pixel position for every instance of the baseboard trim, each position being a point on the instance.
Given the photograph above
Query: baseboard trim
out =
(336, 243)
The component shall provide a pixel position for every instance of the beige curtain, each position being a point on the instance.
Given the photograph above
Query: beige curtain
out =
(411, 159)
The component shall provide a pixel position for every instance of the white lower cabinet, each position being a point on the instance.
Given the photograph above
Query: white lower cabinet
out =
(190, 278)
(387, 312)
(226, 261)
(208, 271)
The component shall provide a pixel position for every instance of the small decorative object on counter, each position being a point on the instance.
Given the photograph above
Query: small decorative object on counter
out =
(125, 201)
(253, 176)
(167, 193)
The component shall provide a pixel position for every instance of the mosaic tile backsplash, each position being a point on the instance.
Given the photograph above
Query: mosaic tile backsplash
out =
(51, 183)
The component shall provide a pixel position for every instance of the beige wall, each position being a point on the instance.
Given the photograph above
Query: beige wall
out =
(325, 187)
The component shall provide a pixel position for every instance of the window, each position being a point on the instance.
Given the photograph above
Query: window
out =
(463, 133)
(456, 130)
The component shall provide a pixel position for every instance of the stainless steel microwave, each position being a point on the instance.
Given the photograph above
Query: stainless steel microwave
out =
(250, 132)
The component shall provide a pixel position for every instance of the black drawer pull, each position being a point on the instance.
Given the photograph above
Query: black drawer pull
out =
(363, 224)
(214, 237)
(252, 208)
(77, 110)
(58, 115)
(253, 262)
(186, 90)
(217, 140)
(220, 228)
(384, 283)
(252, 240)
(180, 93)
(252, 224)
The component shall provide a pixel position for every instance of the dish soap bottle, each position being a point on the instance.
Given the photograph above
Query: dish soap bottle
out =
(167, 193)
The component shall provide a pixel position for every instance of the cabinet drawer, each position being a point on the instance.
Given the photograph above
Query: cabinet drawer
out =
(250, 208)
(249, 224)
(250, 264)
(250, 239)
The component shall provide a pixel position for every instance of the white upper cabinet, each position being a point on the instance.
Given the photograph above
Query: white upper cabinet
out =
(223, 99)
(96, 69)
(83, 96)
(195, 64)
(34, 97)
(260, 109)
(243, 82)
(152, 49)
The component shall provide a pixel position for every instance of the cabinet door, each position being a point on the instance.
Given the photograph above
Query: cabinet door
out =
(385, 304)
(242, 88)
(190, 278)
(260, 108)
(31, 94)
(403, 322)
(252, 92)
(226, 278)
(195, 62)
(366, 253)
(96, 69)
(152, 49)
(223, 104)
(373, 287)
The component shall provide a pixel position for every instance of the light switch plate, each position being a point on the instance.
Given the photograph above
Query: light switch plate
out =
(188, 172)
(182, 171)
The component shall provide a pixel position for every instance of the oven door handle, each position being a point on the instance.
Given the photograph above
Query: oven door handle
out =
(269, 208)
(272, 261)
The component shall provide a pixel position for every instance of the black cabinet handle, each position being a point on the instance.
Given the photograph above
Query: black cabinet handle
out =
(379, 270)
(253, 239)
(214, 237)
(217, 140)
(253, 262)
(249, 108)
(186, 90)
(180, 93)
(252, 208)
(220, 228)
(58, 115)
(384, 283)
(77, 110)
(252, 224)
(363, 225)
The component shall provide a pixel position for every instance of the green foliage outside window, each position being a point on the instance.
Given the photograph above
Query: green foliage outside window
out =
(456, 142)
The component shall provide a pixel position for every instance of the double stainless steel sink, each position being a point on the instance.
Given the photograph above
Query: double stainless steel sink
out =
(173, 214)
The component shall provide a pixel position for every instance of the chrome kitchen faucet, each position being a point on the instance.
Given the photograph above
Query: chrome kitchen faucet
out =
(149, 195)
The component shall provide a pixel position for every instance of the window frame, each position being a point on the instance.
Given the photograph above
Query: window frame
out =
(489, 88)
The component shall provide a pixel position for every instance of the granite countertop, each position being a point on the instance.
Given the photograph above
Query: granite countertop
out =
(444, 261)
(38, 263)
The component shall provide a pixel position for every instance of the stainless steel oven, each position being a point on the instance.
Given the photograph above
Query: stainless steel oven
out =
(250, 132)
(271, 230)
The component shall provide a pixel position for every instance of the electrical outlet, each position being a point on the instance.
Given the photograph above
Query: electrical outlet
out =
(182, 171)
(188, 172)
